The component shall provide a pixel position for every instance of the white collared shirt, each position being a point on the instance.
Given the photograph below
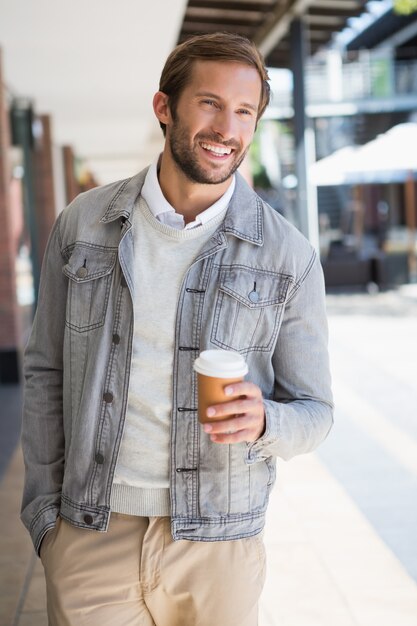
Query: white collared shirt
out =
(165, 212)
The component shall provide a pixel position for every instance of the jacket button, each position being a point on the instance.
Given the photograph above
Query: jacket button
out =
(116, 338)
(108, 397)
(88, 519)
(82, 272)
(253, 296)
(99, 458)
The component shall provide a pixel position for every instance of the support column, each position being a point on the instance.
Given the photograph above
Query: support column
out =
(411, 221)
(9, 325)
(304, 138)
(44, 182)
(22, 122)
(72, 188)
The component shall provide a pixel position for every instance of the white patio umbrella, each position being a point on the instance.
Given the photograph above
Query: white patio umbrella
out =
(390, 158)
(333, 169)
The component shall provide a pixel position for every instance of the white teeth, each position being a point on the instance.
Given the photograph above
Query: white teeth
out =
(216, 149)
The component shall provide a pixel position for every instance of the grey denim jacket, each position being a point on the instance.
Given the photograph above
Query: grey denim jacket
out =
(77, 364)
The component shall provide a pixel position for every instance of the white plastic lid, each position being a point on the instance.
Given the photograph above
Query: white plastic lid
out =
(221, 364)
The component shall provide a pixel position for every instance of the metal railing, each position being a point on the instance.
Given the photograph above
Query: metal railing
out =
(367, 77)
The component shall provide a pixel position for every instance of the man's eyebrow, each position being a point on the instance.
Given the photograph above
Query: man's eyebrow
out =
(208, 94)
(248, 105)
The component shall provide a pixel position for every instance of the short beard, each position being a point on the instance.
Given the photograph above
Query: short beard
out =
(183, 156)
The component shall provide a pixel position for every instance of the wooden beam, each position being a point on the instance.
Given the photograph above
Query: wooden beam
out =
(320, 34)
(230, 5)
(278, 24)
(336, 5)
(333, 21)
(201, 27)
(223, 17)
(343, 13)
(266, 22)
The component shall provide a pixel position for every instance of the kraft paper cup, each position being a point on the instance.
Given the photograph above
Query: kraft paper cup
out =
(215, 370)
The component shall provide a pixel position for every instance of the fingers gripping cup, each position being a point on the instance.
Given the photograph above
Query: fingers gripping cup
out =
(215, 370)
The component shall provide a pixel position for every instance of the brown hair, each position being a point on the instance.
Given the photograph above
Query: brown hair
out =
(211, 47)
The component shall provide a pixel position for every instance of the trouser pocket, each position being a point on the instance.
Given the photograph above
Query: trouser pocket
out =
(48, 540)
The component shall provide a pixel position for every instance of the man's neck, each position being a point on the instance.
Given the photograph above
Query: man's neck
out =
(188, 198)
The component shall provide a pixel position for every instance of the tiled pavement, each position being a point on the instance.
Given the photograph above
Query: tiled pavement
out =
(341, 531)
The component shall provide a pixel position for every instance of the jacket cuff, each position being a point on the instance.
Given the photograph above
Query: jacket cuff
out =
(256, 450)
(43, 521)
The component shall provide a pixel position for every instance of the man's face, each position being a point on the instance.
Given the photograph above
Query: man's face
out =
(215, 120)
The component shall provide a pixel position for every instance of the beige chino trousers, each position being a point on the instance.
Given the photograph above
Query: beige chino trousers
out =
(136, 575)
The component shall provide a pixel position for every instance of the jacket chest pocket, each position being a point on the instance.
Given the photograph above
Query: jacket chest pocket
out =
(248, 308)
(89, 271)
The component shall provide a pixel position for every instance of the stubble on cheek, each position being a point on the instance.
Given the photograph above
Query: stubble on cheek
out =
(187, 160)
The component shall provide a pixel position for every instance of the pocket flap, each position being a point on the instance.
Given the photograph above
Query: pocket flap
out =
(88, 263)
(254, 288)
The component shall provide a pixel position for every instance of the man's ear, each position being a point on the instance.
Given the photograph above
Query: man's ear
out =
(161, 107)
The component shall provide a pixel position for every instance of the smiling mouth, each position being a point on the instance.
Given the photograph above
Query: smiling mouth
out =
(217, 150)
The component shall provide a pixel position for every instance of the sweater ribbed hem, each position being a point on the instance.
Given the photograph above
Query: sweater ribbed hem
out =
(142, 502)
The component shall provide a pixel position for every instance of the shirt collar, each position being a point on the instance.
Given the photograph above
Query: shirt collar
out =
(159, 205)
(244, 218)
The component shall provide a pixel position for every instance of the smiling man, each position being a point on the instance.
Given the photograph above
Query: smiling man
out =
(141, 515)
(211, 126)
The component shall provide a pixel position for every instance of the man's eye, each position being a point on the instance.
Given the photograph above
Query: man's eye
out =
(209, 102)
(245, 112)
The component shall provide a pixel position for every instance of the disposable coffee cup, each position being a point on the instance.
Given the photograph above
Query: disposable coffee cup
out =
(215, 370)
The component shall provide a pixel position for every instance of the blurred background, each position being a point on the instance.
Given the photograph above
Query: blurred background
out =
(336, 154)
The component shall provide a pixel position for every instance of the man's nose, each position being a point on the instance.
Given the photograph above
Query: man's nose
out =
(224, 124)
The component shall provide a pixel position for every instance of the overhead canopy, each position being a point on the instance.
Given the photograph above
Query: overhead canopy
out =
(267, 22)
(390, 24)
(390, 158)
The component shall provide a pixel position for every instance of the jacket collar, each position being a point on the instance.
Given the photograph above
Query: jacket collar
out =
(122, 202)
(244, 218)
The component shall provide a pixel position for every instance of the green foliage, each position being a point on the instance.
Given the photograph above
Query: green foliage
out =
(258, 171)
(405, 7)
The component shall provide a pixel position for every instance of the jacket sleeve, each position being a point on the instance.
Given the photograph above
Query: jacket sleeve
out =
(42, 424)
(300, 414)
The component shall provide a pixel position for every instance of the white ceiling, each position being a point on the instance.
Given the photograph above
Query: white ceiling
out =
(94, 65)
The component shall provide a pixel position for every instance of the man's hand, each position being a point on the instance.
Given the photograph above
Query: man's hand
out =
(248, 421)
